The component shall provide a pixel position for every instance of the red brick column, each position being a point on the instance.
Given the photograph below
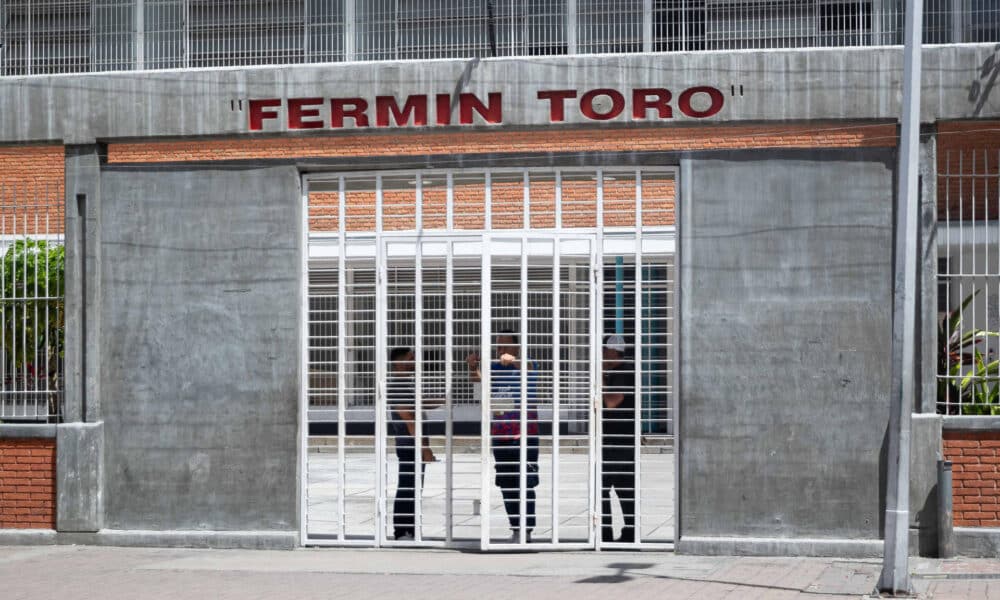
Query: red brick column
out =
(28, 483)
(975, 457)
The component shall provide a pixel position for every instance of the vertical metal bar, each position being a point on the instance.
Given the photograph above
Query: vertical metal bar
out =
(957, 21)
(187, 34)
(50, 295)
(140, 35)
(638, 347)
(647, 25)
(523, 412)
(35, 384)
(488, 201)
(558, 200)
(418, 334)
(961, 237)
(5, 197)
(381, 336)
(449, 425)
(306, 46)
(29, 44)
(572, 28)
(485, 341)
(596, 370)
(303, 478)
(525, 202)
(18, 304)
(450, 203)
(556, 388)
(341, 360)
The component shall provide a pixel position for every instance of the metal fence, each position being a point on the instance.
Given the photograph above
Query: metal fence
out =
(32, 260)
(968, 350)
(71, 36)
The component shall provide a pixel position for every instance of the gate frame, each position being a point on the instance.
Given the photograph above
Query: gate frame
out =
(597, 234)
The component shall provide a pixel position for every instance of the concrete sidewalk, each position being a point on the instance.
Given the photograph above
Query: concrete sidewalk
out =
(47, 572)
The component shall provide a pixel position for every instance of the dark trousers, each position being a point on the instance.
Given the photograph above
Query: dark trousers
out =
(618, 472)
(507, 454)
(404, 506)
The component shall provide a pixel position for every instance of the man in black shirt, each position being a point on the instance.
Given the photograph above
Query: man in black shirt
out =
(618, 439)
(401, 396)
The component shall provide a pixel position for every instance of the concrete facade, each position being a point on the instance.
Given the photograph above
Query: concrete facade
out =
(801, 292)
(200, 337)
(779, 85)
(183, 308)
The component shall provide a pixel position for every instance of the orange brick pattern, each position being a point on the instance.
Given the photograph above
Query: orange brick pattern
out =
(578, 199)
(31, 190)
(968, 156)
(702, 137)
(975, 457)
(27, 483)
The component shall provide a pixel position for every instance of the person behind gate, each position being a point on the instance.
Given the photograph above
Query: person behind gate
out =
(505, 429)
(618, 439)
(401, 396)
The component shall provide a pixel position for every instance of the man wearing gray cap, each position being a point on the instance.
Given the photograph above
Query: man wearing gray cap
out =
(618, 439)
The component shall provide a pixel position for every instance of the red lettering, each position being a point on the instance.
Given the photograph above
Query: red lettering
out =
(415, 105)
(297, 111)
(258, 112)
(338, 111)
(557, 100)
(587, 104)
(443, 109)
(491, 112)
(642, 102)
(684, 102)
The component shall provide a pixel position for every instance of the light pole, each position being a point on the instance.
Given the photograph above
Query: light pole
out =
(895, 576)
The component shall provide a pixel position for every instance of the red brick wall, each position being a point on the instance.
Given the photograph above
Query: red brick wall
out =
(970, 149)
(31, 189)
(579, 196)
(975, 457)
(396, 143)
(27, 483)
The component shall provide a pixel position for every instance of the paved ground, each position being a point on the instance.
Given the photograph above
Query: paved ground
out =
(48, 572)
(571, 497)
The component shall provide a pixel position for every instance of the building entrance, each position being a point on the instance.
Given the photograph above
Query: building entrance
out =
(487, 388)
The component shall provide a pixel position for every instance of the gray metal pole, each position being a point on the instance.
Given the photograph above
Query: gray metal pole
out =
(946, 532)
(895, 576)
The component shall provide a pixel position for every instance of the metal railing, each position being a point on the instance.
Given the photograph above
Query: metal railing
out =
(76, 36)
(32, 299)
(968, 365)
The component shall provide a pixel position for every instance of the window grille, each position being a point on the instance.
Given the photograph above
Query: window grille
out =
(32, 301)
(71, 36)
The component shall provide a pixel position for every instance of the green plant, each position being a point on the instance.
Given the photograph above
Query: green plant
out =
(33, 277)
(972, 385)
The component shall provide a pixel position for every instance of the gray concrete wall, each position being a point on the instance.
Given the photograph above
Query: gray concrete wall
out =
(80, 477)
(841, 83)
(785, 332)
(200, 346)
(925, 451)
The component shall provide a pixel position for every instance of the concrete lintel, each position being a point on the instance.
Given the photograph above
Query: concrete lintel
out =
(27, 430)
(977, 542)
(243, 540)
(80, 477)
(756, 546)
(972, 423)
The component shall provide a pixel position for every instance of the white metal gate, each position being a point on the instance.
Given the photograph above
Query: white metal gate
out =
(406, 276)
